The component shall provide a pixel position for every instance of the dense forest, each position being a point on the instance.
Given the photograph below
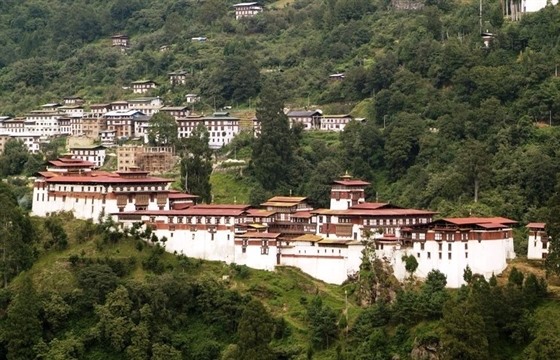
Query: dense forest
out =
(452, 125)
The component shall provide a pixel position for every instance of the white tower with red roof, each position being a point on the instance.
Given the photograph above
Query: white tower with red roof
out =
(347, 192)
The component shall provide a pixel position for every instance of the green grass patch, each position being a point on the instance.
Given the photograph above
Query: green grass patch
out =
(230, 187)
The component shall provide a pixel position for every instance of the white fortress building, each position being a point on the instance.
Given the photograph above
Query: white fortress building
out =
(284, 231)
(538, 244)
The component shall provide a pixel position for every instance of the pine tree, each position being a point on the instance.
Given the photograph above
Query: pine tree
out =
(22, 328)
(552, 262)
(196, 165)
(273, 152)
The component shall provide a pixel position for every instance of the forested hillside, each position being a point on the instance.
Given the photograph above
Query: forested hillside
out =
(452, 126)
(450, 122)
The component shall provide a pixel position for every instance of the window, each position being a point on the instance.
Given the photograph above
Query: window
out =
(421, 246)
(449, 247)
(440, 247)
(418, 255)
(466, 255)
(440, 256)
(466, 246)
(544, 245)
(438, 237)
(449, 256)
(429, 255)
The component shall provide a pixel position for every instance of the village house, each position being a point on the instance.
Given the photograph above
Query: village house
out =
(248, 9)
(335, 122)
(107, 137)
(310, 120)
(192, 98)
(13, 126)
(31, 141)
(73, 100)
(222, 128)
(97, 110)
(178, 77)
(123, 122)
(538, 243)
(43, 122)
(64, 127)
(89, 126)
(178, 112)
(94, 154)
(120, 41)
(147, 105)
(143, 86)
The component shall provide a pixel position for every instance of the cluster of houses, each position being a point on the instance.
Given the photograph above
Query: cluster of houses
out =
(109, 123)
(285, 230)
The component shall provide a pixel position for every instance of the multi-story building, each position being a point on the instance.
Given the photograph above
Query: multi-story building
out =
(123, 122)
(94, 154)
(450, 245)
(178, 112)
(538, 242)
(248, 9)
(147, 158)
(222, 128)
(43, 122)
(72, 185)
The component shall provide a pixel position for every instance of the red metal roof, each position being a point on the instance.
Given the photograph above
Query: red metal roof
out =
(190, 211)
(536, 225)
(374, 212)
(260, 212)
(480, 220)
(104, 179)
(222, 206)
(372, 205)
(351, 182)
(76, 163)
(263, 235)
(302, 214)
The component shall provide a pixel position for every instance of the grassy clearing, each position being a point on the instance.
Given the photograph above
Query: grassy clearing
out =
(229, 187)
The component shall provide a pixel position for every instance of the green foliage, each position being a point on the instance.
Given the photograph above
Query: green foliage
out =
(162, 130)
(196, 164)
(22, 329)
(322, 324)
(254, 333)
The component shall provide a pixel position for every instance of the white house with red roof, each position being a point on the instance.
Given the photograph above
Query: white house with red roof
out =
(538, 244)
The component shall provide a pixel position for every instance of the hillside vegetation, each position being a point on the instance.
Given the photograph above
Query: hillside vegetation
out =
(451, 126)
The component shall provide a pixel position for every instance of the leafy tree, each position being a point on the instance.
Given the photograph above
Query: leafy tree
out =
(59, 239)
(17, 240)
(462, 335)
(115, 324)
(254, 333)
(196, 164)
(22, 329)
(97, 281)
(552, 262)
(162, 130)
(14, 158)
(322, 324)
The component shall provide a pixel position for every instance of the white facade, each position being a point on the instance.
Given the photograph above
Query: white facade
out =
(248, 9)
(93, 154)
(538, 244)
